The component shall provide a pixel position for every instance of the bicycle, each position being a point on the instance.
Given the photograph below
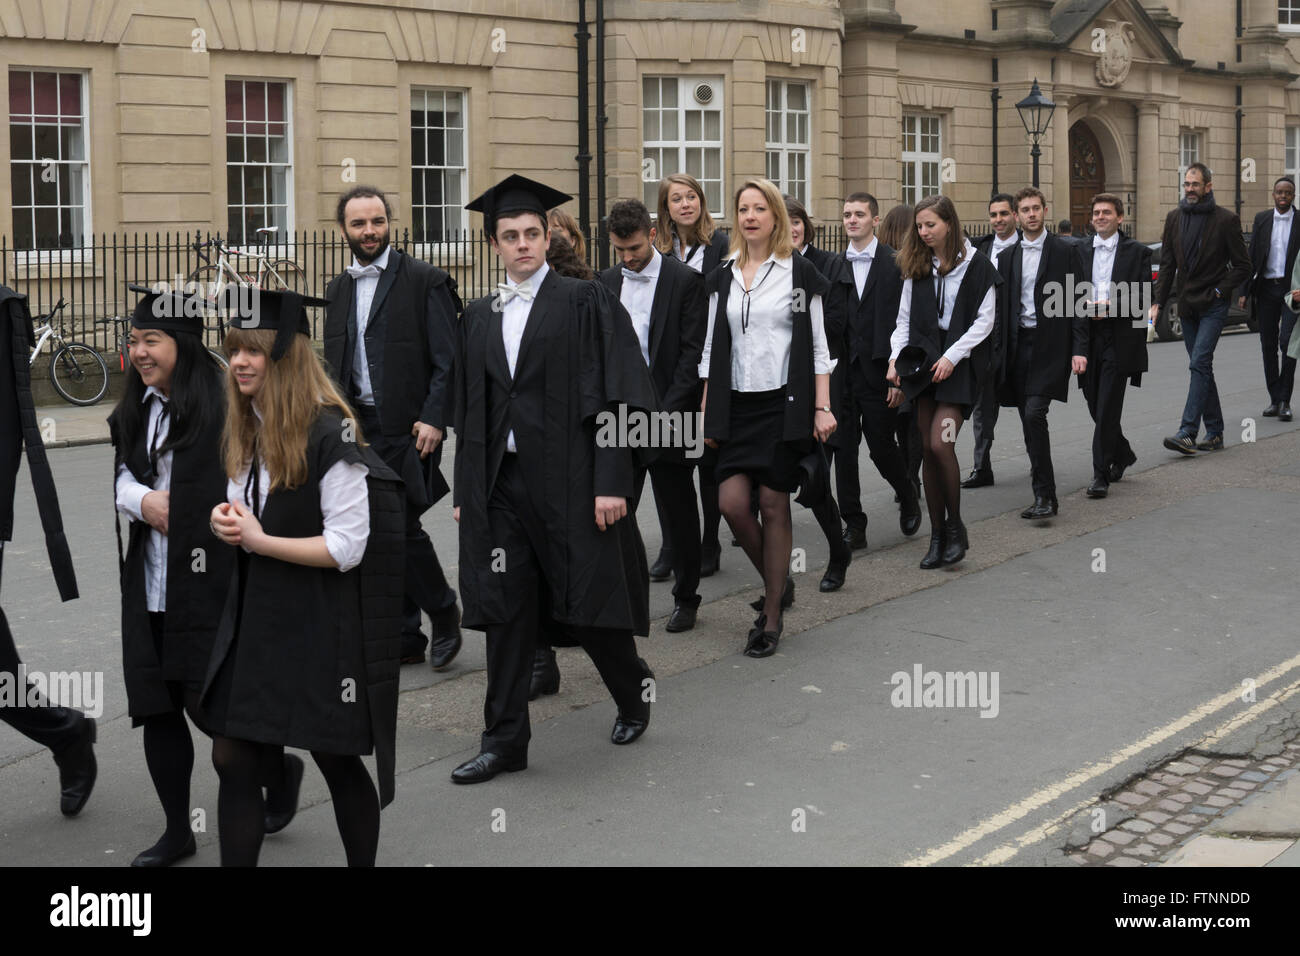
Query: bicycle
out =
(77, 371)
(213, 277)
(124, 349)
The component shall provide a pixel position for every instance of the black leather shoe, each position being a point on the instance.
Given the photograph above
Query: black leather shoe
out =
(159, 855)
(1098, 488)
(1181, 444)
(787, 597)
(413, 647)
(486, 766)
(934, 557)
(281, 805)
(77, 770)
(546, 673)
(955, 541)
(1116, 470)
(856, 538)
(710, 558)
(763, 642)
(1214, 443)
(682, 619)
(1284, 413)
(909, 517)
(977, 479)
(1271, 411)
(662, 569)
(627, 729)
(446, 638)
(1041, 508)
(833, 579)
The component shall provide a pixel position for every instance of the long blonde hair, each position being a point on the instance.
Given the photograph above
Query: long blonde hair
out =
(779, 243)
(703, 229)
(291, 397)
(557, 218)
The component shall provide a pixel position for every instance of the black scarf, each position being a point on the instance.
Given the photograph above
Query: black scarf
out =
(1194, 217)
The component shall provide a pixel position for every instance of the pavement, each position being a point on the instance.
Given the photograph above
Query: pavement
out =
(1109, 651)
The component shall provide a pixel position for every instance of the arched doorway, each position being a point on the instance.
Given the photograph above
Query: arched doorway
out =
(1087, 174)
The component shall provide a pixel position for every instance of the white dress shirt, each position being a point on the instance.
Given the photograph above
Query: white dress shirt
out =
(1031, 254)
(1276, 266)
(638, 296)
(862, 263)
(344, 506)
(979, 329)
(1002, 245)
(1103, 264)
(696, 261)
(760, 355)
(130, 501)
(514, 319)
(365, 295)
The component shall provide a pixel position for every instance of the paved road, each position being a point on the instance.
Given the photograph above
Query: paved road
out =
(1198, 595)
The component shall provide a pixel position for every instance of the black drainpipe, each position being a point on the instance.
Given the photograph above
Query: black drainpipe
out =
(601, 119)
(1237, 176)
(995, 96)
(583, 157)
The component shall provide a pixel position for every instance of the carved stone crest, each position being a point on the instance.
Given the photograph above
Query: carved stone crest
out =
(1116, 53)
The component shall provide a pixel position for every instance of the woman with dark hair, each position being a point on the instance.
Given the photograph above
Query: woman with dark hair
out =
(945, 316)
(687, 232)
(801, 233)
(767, 394)
(895, 226)
(564, 226)
(561, 257)
(166, 433)
(295, 662)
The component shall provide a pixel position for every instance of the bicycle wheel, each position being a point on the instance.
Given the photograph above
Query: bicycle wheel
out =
(79, 374)
(211, 280)
(285, 274)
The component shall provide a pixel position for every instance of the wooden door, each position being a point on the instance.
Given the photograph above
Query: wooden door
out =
(1087, 175)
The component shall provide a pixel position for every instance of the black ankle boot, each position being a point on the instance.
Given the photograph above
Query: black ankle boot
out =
(957, 543)
(934, 557)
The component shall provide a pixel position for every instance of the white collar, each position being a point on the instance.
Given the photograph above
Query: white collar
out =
(535, 280)
(382, 261)
(1282, 215)
(967, 251)
(651, 269)
(150, 392)
(871, 246)
(1004, 243)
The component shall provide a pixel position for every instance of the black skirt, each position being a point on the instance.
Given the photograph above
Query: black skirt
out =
(755, 447)
(939, 394)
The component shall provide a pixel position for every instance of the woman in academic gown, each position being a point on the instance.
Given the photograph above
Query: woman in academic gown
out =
(166, 433)
(691, 236)
(767, 394)
(942, 344)
(291, 664)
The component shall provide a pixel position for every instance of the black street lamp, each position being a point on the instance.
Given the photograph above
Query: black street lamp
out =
(1036, 113)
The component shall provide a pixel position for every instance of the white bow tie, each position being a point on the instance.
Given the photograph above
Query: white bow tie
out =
(630, 276)
(506, 292)
(853, 255)
(1099, 243)
(358, 271)
(1036, 244)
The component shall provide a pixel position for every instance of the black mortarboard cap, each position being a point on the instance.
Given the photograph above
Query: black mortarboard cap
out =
(282, 311)
(516, 194)
(169, 311)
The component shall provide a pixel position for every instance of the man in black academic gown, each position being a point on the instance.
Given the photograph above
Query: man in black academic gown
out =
(984, 417)
(542, 505)
(397, 374)
(68, 733)
(1274, 245)
(1118, 270)
(1042, 338)
(669, 311)
(865, 290)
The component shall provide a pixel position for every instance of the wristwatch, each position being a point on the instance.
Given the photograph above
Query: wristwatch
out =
(823, 408)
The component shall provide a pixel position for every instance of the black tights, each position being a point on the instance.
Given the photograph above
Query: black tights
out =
(169, 753)
(241, 810)
(768, 546)
(939, 423)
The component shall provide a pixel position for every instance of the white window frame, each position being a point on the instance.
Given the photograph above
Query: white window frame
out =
(1291, 154)
(1291, 8)
(917, 158)
(653, 149)
(426, 247)
(283, 241)
(1191, 144)
(38, 257)
(782, 152)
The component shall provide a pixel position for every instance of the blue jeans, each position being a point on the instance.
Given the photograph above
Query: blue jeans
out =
(1201, 331)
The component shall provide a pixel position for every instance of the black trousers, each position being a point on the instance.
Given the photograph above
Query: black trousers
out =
(1103, 387)
(984, 419)
(48, 725)
(1276, 323)
(1033, 419)
(674, 488)
(426, 584)
(518, 529)
(873, 419)
(712, 517)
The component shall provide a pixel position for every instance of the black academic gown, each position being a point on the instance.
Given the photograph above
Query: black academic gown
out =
(1058, 332)
(199, 566)
(1132, 267)
(579, 356)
